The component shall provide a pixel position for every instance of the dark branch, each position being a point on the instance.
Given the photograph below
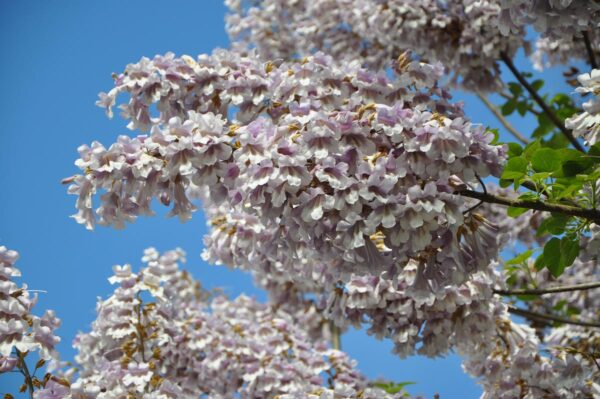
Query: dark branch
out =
(590, 50)
(592, 215)
(546, 317)
(550, 290)
(540, 101)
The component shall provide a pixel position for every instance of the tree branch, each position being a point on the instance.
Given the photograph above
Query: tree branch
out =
(336, 341)
(590, 50)
(502, 119)
(550, 290)
(589, 214)
(546, 317)
(540, 101)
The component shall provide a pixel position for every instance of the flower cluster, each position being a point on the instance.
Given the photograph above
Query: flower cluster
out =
(133, 171)
(552, 17)
(587, 123)
(325, 179)
(404, 308)
(562, 50)
(161, 336)
(562, 25)
(585, 304)
(467, 318)
(339, 158)
(463, 35)
(509, 364)
(20, 330)
(580, 340)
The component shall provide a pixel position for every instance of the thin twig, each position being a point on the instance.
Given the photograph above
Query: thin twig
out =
(597, 364)
(502, 119)
(590, 50)
(589, 214)
(546, 317)
(483, 187)
(540, 101)
(472, 208)
(25, 371)
(550, 290)
(477, 205)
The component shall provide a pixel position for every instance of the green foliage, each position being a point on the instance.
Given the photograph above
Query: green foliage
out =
(519, 259)
(517, 266)
(546, 160)
(393, 387)
(556, 224)
(519, 100)
(551, 172)
(514, 211)
(515, 168)
(557, 173)
(558, 254)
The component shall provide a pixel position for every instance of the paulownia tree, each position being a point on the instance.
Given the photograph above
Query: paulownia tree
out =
(327, 153)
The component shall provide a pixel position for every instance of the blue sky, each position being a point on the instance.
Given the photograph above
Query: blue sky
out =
(57, 55)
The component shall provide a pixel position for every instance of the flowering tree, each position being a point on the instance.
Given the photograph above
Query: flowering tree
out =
(326, 151)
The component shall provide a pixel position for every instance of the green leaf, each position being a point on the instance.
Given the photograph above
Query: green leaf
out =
(552, 257)
(527, 297)
(556, 141)
(545, 160)
(558, 254)
(554, 225)
(568, 154)
(560, 305)
(515, 168)
(517, 260)
(531, 149)
(392, 387)
(569, 249)
(515, 89)
(512, 175)
(514, 150)
(541, 176)
(522, 108)
(514, 212)
(530, 196)
(562, 99)
(537, 84)
(575, 167)
(563, 191)
(540, 262)
(509, 107)
(574, 162)
(594, 152)
(545, 126)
